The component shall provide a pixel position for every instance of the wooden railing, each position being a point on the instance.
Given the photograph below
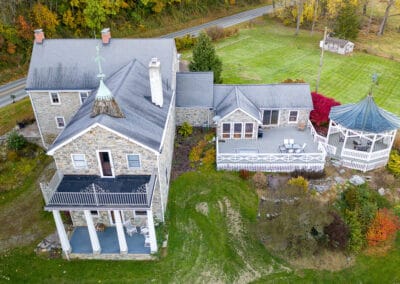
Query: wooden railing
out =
(366, 156)
(315, 135)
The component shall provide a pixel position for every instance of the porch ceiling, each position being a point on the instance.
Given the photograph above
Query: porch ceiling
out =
(269, 143)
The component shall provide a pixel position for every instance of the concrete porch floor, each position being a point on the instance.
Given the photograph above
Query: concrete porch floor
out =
(80, 242)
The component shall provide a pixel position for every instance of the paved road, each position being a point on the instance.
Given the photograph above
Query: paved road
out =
(17, 87)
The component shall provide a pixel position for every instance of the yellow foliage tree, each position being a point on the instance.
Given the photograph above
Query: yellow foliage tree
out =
(44, 18)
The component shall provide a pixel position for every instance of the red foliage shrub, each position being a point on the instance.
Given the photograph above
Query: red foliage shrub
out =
(322, 107)
(383, 227)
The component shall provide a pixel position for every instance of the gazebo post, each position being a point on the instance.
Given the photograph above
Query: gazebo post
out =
(345, 141)
(329, 132)
(372, 147)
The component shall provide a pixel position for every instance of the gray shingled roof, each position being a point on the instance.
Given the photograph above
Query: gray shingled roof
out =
(338, 41)
(68, 64)
(194, 89)
(237, 100)
(364, 116)
(144, 122)
(273, 96)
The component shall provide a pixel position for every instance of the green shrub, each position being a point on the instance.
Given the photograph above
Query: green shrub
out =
(15, 141)
(197, 151)
(394, 163)
(357, 238)
(185, 130)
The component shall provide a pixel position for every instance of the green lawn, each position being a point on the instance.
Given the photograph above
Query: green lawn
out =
(271, 53)
(13, 113)
(217, 247)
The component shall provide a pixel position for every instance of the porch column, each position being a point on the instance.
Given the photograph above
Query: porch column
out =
(123, 248)
(152, 231)
(92, 232)
(66, 247)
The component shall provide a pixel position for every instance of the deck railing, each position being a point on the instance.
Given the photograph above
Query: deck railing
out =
(315, 135)
(366, 156)
(363, 166)
(95, 197)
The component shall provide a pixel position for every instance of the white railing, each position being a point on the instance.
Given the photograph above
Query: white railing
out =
(271, 157)
(315, 135)
(366, 156)
(363, 166)
(330, 149)
(49, 188)
(97, 198)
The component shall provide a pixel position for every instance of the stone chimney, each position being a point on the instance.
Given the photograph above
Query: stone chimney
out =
(39, 36)
(105, 36)
(156, 82)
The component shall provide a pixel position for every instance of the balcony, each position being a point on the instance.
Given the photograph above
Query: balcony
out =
(77, 191)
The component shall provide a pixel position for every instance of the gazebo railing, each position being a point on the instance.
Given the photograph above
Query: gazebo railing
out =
(366, 156)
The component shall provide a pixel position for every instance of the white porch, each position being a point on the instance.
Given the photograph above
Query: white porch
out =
(263, 154)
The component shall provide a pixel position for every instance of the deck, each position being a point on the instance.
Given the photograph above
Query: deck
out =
(78, 191)
(263, 154)
(80, 242)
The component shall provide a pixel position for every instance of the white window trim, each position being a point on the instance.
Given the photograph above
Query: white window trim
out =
(80, 97)
(297, 116)
(111, 164)
(222, 130)
(51, 98)
(58, 126)
(244, 130)
(73, 161)
(127, 161)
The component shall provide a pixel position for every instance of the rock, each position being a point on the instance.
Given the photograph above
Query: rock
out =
(357, 180)
(342, 171)
(340, 180)
(164, 244)
(336, 163)
(381, 191)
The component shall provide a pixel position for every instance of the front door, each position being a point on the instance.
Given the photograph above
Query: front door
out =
(112, 217)
(105, 164)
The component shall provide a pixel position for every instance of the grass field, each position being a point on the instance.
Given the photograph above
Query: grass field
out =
(270, 53)
(11, 114)
(210, 220)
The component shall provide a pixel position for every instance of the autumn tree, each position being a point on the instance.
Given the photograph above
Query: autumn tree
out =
(44, 18)
(205, 59)
(322, 107)
(383, 227)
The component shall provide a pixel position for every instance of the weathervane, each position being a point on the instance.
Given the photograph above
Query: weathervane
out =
(98, 60)
(374, 82)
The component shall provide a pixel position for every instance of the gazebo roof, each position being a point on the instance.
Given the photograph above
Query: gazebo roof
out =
(365, 116)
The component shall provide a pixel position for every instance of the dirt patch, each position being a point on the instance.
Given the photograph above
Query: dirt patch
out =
(326, 260)
(202, 208)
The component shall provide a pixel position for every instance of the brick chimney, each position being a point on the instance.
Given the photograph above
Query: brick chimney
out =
(156, 82)
(106, 36)
(39, 36)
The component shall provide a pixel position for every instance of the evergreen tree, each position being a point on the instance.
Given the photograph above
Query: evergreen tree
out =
(347, 23)
(205, 59)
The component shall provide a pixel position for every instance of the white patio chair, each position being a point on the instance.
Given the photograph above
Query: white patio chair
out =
(130, 229)
(291, 141)
(286, 143)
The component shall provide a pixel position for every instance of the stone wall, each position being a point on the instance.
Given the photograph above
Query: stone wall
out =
(237, 116)
(195, 116)
(46, 112)
(164, 168)
(302, 116)
(100, 139)
(78, 218)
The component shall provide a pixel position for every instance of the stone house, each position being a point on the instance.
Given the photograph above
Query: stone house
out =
(337, 45)
(111, 136)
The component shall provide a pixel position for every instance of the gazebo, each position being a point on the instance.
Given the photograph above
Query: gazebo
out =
(361, 135)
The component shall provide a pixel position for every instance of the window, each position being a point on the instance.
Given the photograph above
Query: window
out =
(226, 130)
(83, 96)
(94, 213)
(270, 117)
(248, 130)
(60, 122)
(293, 116)
(55, 98)
(237, 130)
(79, 161)
(133, 161)
(140, 213)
